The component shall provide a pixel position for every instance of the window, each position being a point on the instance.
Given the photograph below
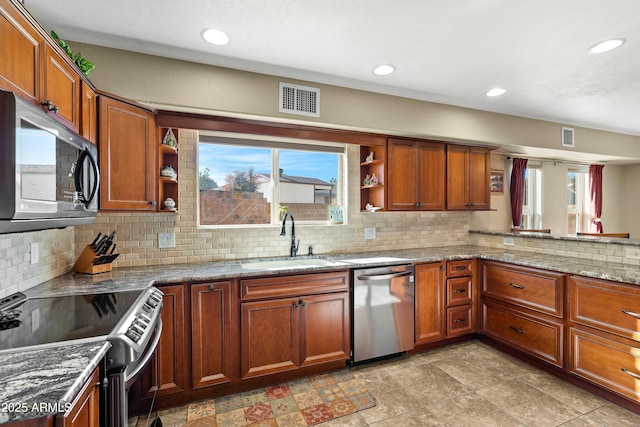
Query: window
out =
(578, 201)
(253, 180)
(532, 204)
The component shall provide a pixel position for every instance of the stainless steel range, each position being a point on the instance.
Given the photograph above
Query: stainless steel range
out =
(129, 320)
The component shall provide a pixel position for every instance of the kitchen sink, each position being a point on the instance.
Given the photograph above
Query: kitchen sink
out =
(291, 263)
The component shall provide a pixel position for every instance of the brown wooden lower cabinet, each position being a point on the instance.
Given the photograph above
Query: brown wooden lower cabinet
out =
(211, 356)
(213, 342)
(288, 333)
(430, 303)
(165, 373)
(610, 361)
(85, 411)
(540, 337)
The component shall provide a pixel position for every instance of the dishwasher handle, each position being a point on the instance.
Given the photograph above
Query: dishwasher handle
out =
(385, 276)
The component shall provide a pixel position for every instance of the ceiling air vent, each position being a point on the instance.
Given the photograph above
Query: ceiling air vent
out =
(567, 137)
(301, 100)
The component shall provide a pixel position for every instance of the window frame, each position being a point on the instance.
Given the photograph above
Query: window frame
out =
(276, 145)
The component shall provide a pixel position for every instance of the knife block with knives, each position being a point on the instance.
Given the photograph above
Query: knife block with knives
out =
(97, 256)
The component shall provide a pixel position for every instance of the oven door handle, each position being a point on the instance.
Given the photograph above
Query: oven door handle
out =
(151, 350)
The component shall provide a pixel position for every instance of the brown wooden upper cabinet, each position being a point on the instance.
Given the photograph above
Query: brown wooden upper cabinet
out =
(34, 68)
(468, 175)
(127, 156)
(416, 172)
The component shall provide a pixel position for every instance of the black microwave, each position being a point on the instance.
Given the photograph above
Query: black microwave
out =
(49, 174)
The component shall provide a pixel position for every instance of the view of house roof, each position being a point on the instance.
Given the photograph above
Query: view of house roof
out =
(297, 179)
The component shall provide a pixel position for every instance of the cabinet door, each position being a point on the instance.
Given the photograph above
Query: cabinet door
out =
(166, 371)
(211, 333)
(430, 303)
(468, 175)
(402, 172)
(89, 116)
(22, 54)
(62, 88)
(479, 178)
(270, 337)
(85, 411)
(127, 157)
(324, 328)
(457, 177)
(430, 179)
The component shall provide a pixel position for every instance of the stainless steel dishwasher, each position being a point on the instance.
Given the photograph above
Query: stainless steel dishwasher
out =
(383, 311)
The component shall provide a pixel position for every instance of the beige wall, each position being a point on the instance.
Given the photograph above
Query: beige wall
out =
(187, 85)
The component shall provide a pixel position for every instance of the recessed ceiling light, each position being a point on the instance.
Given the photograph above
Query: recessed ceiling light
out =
(217, 37)
(496, 91)
(607, 45)
(383, 70)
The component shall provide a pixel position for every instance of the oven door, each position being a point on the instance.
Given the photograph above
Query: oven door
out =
(121, 379)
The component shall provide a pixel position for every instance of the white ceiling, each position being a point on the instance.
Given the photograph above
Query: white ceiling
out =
(449, 52)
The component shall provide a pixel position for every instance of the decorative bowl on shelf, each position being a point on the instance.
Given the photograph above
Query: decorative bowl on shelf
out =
(168, 171)
(169, 203)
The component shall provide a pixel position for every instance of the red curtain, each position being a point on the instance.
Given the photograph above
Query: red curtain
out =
(517, 190)
(595, 185)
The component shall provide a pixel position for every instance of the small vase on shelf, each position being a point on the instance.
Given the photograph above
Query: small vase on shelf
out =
(367, 181)
(374, 180)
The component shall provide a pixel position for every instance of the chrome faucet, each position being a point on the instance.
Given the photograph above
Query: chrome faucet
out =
(294, 247)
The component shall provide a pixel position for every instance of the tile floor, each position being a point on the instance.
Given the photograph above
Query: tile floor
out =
(468, 384)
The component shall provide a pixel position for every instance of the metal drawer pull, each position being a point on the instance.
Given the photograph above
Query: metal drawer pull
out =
(631, 313)
(460, 320)
(520, 331)
(633, 374)
(461, 268)
(459, 291)
(513, 285)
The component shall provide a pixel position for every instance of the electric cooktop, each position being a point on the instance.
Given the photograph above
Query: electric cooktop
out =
(41, 321)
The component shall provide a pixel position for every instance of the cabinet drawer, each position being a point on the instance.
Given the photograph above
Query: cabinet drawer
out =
(528, 287)
(609, 363)
(459, 291)
(301, 284)
(604, 305)
(538, 337)
(459, 268)
(459, 320)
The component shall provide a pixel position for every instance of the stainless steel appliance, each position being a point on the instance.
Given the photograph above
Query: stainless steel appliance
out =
(129, 320)
(383, 311)
(49, 174)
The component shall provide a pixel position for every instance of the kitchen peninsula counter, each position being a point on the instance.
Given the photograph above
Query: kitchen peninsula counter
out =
(40, 383)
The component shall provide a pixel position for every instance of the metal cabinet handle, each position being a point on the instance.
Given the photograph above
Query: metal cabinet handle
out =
(303, 304)
(460, 268)
(631, 313)
(296, 304)
(520, 331)
(459, 291)
(628, 372)
(212, 288)
(387, 276)
(513, 285)
(460, 320)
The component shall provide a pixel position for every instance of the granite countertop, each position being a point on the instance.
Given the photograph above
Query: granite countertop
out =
(36, 383)
(54, 374)
(126, 278)
(569, 237)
